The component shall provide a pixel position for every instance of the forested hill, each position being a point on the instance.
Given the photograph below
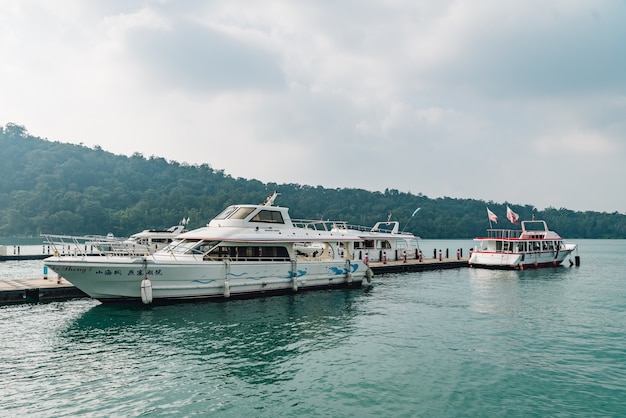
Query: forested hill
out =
(58, 188)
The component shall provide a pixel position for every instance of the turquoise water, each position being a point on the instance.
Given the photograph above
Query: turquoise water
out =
(466, 342)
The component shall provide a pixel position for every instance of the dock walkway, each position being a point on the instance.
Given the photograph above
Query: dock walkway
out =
(57, 289)
(414, 265)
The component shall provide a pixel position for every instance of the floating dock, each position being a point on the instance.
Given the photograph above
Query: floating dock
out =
(414, 265)
(37, 290)
(57, 289)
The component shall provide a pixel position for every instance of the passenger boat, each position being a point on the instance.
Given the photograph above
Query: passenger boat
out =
(154, 239)
(533, 246)
(244, 251)
(147, 241)
(383, 242)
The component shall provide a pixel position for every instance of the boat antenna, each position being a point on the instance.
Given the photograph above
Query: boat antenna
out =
(412, 216)
(269, 201)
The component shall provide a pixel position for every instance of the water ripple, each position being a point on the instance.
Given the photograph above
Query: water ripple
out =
(445, 343)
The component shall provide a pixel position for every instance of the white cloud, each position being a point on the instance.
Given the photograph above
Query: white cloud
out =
(420, 96)
(583, 144)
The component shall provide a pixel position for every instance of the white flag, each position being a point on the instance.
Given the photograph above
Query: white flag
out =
(492, 216)
(511, 216)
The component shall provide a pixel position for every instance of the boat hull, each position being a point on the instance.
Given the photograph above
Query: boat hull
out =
(120, 279)
(499, 260)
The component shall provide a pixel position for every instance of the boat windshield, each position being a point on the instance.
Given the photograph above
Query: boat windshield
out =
(241, 213)
(234, 212)
(185, 246)
(227, 212)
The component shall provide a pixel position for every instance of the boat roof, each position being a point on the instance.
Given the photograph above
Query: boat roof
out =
(261, 223)
(146, 233)
(531, 230)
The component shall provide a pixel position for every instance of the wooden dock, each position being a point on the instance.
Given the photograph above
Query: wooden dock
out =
(57, 289)
(37, 290)
(414, 265)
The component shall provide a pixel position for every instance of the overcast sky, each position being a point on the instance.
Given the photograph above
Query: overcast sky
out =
(516, 101)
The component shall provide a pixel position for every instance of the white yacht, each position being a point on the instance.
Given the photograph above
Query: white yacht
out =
(244, 251)
(383, 242)
(152, 240)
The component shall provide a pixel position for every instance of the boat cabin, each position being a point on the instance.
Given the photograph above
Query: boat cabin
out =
(533, 237)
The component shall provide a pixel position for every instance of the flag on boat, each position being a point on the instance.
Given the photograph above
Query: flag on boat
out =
(492, 216)
(416, 210)
(511, 216)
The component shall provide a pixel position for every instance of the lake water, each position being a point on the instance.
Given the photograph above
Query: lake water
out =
(465, 342)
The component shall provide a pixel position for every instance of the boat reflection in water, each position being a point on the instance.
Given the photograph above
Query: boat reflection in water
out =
(259, 341)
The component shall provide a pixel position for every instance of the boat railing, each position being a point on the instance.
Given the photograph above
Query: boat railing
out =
(69, 245)
(504, 233)
(319, 225)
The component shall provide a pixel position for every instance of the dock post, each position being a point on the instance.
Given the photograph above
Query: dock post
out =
(45, 272)
(31, 295)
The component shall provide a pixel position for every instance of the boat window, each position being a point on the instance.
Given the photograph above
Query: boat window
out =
(241, 213)
(185, 246)
(270, 216)
(308, 249)
(368, 243)
(248, 253)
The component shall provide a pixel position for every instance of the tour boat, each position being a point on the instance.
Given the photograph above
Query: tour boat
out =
(244, 251)
(382, 242)
(154, 239)
(531, 247)
(147, 241)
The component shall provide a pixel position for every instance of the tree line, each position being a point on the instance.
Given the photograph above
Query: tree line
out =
(59, 188)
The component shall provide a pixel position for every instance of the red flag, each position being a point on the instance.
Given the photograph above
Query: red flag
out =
(511, 216)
